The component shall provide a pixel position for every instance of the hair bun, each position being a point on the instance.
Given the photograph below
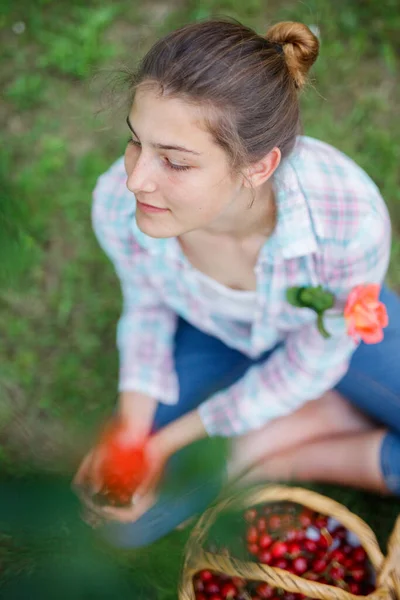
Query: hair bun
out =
(300, 48)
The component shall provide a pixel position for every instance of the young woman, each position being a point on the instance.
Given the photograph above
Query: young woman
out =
(218, 207)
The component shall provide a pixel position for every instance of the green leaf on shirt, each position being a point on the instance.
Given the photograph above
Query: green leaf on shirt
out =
(315, 298)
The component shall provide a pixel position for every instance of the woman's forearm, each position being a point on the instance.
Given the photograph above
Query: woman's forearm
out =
(182, 432)
(137, 410)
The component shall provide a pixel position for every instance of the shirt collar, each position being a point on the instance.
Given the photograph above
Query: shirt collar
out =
(293, 235)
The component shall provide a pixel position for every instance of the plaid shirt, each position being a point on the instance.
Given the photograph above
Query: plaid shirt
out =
(333, 230)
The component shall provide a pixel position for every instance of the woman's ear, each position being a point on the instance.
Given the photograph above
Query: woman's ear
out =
(258, 173)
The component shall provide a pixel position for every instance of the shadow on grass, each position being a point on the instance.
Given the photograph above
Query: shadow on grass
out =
(48, 552)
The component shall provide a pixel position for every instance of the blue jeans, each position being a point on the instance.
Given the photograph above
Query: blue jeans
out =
(204, 365)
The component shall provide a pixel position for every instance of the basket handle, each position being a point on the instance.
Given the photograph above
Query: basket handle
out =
(391, 565)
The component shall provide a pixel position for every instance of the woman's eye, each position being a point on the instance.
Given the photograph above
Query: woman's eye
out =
(171, 165)
(133, 143)
(167, 162)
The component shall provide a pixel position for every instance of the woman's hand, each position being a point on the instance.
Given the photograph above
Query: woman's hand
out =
(135, 411)
(158, 449)
(145, 496)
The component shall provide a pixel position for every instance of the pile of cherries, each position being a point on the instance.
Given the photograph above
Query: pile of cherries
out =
(298, 540)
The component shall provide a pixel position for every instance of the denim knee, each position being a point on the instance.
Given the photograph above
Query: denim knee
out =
(139, 534)
(163, 517)
(177, 502)
(390, 462)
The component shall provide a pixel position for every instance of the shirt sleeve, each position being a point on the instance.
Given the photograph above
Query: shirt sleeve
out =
(306, 365)
(146, 327)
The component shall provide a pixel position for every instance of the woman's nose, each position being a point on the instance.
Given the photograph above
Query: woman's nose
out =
(141, 176)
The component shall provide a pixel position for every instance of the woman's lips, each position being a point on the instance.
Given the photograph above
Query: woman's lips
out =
(147, 208)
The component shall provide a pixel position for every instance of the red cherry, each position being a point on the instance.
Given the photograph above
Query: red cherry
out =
(252, 535)
(348, 563)
(200, 596)
(229, 590)
(310, 546)
(294, 549)
(300, 565)
(206, 575)
(311, 576)
(265, 541)
(359, 555)
(305, 518)
(250, 515)
(279, 549)
(346, 549)
(319, 565)
(289, 596)
(321, 522)
(337, 573)
(215, 597)
(354, 588)
(263, 590)
(239, 582)
(262, 524)
(281, 563)
(253, 548)
(340, 533)
(198, 585)
(275, 522)
(323, 542)
(358, 574)
(338, 555)
(291, 535)
(300, 535)
(265, 557)
(211, 587)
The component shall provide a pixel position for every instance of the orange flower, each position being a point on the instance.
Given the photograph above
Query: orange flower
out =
(366, 316)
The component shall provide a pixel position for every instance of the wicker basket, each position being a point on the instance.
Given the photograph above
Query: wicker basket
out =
(387, 570)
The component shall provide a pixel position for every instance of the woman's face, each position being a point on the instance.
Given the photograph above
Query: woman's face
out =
(172, 163)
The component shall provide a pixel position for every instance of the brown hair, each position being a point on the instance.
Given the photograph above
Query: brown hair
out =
(248, 83)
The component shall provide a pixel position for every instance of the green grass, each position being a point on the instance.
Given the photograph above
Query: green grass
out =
(59, 299)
